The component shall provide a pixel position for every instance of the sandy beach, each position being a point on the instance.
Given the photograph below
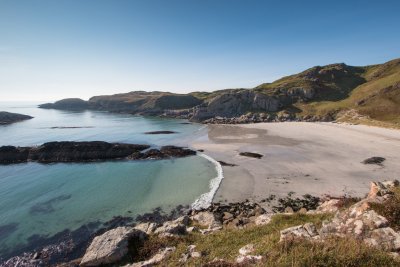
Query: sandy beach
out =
(314, 158)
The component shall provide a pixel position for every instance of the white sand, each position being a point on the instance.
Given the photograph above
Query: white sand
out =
(315, 158)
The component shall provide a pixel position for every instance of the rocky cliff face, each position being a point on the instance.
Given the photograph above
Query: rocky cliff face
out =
(8, 117)
(234, 104)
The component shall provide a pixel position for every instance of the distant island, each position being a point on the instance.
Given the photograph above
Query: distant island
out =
(368, 95)
(8, 117)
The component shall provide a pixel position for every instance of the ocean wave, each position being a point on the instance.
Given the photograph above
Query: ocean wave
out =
(205, 199)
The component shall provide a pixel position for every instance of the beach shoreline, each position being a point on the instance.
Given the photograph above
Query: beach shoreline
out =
(301, 157)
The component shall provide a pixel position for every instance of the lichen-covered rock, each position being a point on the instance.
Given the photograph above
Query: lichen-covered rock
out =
(248, 259)
(147, 227)
(246, 250)
(307, 230)
(176, 227)
(206, 218)
(162, 255)
(263, 219)
(329, 206)
(379, 189)
(110, 247)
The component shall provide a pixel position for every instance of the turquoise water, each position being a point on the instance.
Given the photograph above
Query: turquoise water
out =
(44, 199)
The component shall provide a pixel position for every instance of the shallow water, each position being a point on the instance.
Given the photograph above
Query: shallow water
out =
(44, 199)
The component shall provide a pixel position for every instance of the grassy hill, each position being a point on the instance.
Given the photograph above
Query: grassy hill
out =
(368, 94)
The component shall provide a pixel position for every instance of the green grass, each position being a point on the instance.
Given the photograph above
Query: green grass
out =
(226, 243)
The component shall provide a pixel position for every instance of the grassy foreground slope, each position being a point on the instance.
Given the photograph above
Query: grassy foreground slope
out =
(226, 243)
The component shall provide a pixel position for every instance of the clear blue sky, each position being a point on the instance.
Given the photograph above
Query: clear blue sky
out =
(69, 48)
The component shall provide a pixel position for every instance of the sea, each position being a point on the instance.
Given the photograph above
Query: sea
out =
(41, 200)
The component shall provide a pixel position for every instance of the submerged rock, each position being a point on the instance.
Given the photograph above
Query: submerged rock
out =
(161, 132)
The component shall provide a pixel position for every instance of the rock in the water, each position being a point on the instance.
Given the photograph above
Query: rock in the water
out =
(110, 247)
(87, 151)
(8, 117)
(161, 132)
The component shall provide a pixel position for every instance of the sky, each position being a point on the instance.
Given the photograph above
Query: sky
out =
(54, 49)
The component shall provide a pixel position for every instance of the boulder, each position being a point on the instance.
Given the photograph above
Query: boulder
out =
(307, 230)
(146, 227)
(110, 247)
(246, 250)
(263, 219)
(206, 218)
(161, 255)
(171, 228)
(379, 189)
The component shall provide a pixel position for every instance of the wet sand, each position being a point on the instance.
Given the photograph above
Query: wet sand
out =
(314, 158)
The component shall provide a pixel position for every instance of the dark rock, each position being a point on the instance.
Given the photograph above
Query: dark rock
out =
(12, 154)
(7, 229)
(165, 152)
(68, 152)
(8, 117)
(223, 163)
(161, 132)
(251, 154)
(47, 206)
(374, 160)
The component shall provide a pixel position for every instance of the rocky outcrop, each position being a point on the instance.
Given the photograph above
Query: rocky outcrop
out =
(110, 247)
(160, 256)
(87, 151)
(233, 104)
(8, 117)
(359, 221)
(163, 153)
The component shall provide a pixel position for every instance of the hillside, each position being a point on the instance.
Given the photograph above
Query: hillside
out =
(369, 95)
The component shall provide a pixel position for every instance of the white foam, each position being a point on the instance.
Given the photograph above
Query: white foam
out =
(205, 200)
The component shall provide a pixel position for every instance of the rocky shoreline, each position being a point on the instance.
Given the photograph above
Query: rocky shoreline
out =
(115, 242)
(88, 151)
